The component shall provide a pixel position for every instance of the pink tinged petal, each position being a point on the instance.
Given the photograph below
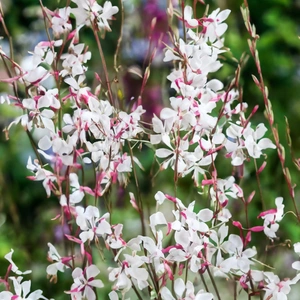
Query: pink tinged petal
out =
(256, 228)
(35, 75)
(267, 212)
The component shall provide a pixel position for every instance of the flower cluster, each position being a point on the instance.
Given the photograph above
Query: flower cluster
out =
(82, 130)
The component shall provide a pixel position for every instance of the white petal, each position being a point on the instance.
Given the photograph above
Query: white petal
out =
(163, 153)
(92, 271)
(45, 143)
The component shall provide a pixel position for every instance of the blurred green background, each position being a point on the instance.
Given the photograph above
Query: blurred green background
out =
(25, 212)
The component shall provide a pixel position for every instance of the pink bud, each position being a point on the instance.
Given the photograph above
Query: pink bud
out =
(267, 212)
(171, 198)
(257, 228)
(250, 197)
(237, 224)
(247, 239)
(133, 202)
(207, 182)
(169, 271)
(262, 167)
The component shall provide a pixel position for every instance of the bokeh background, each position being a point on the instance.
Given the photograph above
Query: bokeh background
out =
(26, 213)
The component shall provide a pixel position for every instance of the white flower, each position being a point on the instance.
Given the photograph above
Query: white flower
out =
(14, 267)
(60, 21)
(189, 21)
(89, 11)
(22, 290)
(272, 217)
(85, 282)
(240, 259)
(58, 264)
(276, 289)
(91, 224)
(107, 13)
(252, 144)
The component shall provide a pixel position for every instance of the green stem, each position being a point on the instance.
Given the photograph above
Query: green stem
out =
(213, 283)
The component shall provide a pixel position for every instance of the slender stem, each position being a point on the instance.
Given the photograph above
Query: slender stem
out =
(204, 282)
(259, 186)
(116, 55)
(34, 147)
(139, 198)
(183, 20)
(269, 113)
(110, 95)
(137, 293)
(213, 283)
(235, 290)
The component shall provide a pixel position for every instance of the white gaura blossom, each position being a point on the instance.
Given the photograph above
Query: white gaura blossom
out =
(240, 259)
(59, 263)
(187, 289)
(85, 282)
(89, 11)
(272, 217)
(60, 22)
(91, 223)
